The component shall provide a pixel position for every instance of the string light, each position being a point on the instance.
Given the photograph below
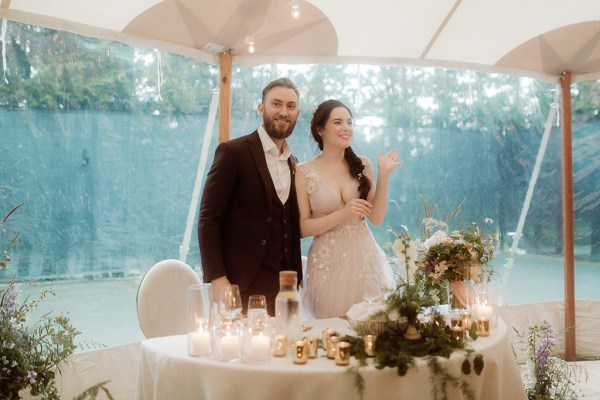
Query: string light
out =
(250, 42)
(295, 9)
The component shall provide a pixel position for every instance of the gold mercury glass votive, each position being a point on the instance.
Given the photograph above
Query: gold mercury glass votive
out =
(312, 346)
(483, 327)
(280, 346)
(466, 319)
(457, 336)
(331, 343)
(325, 338)
(342, 353)
(299, 352)
(456, 322)
(369, 341)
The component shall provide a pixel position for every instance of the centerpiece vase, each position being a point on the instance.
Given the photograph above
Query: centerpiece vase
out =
(458, 296)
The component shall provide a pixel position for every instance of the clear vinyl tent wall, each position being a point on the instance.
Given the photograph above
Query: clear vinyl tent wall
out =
(105, 144)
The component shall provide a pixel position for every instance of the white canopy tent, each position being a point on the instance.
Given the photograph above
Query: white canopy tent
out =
(550, 40)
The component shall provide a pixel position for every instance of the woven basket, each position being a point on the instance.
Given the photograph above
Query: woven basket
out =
(376, 327)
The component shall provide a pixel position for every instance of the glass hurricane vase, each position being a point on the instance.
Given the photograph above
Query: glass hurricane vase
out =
(458, 296)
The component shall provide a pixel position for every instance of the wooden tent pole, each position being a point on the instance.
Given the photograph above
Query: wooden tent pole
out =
(568, 216)
(225, 97)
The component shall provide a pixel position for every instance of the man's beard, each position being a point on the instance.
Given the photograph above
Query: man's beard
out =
(277, 133)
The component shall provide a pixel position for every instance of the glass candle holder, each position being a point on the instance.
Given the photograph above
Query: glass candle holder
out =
(457, 336)
(280, 346)
(342, 353)
(227, 343)
(369, 341)
(299, 352)
(325, 337)
(199, 320)
(256, 344)
(332, 341)
(485, 306)
(312, 344)
(483, 326)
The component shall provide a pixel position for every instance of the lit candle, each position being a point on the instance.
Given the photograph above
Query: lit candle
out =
(261, 347)
(342, 353)
(300, 355)
(369, 341)
(280, 346)
(483, 326)
(230, 347)
(313, 346)
(331, 343)
(457, 336)
(484, 311)
(199, 343)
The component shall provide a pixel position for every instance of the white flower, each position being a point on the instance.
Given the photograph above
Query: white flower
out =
(436, 238)
(398, 247)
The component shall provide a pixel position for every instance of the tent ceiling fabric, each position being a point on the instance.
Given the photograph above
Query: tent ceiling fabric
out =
(537, 38)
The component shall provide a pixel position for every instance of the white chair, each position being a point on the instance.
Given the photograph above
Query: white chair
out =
(162, 298)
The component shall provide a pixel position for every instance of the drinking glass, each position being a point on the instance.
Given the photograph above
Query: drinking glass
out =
(257, 311)
(230, 302)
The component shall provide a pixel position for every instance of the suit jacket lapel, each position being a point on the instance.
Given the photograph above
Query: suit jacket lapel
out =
(261, 164)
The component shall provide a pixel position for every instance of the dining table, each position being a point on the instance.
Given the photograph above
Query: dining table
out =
(167, 372)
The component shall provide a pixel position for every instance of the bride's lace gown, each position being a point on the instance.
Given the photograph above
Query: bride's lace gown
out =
(341, 259)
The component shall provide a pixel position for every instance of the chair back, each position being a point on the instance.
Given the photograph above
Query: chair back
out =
(162, 298)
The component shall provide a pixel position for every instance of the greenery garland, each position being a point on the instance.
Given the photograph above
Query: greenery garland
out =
(394, 350)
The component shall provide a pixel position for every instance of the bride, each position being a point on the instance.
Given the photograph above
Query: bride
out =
(336, 193)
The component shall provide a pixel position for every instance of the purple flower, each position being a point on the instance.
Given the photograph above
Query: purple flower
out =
(31, 375)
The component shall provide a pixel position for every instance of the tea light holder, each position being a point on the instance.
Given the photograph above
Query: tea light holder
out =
(312, 346)
(199, 320)
(325, 337)
(466, 319)
(369, 342)
(200, 342)
(342, 353)
(280, 346)
(256, 345)
(483, 326)
(228, 345)
(456, 322)
(485, 306)
(457, 336)
(299, 352)
(331, 346)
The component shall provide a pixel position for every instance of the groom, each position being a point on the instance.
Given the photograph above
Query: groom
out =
(248, 227)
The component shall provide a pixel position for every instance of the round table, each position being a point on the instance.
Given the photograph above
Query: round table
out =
(167, 372)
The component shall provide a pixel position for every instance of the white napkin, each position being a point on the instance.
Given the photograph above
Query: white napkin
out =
(362, 311)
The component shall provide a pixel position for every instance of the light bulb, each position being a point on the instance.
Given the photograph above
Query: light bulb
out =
(295, 9)
(250, 42)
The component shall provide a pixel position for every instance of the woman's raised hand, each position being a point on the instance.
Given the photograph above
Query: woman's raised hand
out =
(388, 162)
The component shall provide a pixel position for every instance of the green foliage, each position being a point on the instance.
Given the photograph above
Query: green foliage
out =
(548, 376)
(30, 355)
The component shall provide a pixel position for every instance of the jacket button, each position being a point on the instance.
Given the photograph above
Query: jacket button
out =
(268, 219)
(263, 242)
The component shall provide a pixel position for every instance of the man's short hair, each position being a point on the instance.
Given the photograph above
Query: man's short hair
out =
(281, 82)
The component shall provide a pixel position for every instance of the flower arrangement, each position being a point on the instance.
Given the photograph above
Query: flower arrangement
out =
(548, 377)
(30, 354)
(442, 255)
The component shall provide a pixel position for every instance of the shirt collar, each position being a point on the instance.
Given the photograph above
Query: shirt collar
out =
(269, 145)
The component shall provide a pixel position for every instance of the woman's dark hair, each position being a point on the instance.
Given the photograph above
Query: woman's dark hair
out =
(357, 168)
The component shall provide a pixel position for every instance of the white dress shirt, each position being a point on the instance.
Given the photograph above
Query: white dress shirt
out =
(277, 164)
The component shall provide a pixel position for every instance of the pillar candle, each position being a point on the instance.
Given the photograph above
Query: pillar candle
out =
(261, 347)
(230, 347)
(199, 343)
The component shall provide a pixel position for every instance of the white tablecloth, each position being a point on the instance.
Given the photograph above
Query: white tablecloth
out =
(166, 372)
